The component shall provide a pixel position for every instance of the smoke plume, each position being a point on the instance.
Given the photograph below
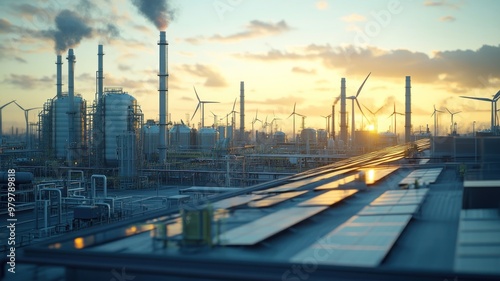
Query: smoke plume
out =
(158, 12)
(71, 29)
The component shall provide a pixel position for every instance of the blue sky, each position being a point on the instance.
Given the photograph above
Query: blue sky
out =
(285, 51)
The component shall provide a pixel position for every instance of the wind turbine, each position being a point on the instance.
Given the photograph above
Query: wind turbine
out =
(26, 115)
(273, 122)
(493, 106)
(395, 113)
(435, 119)
(294, 113)
(355, 98)
(1, 132)
(253, 123)
(202, 105)
(452, 114)
(375, 119)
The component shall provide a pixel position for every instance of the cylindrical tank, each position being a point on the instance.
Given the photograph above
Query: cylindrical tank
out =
(60, 124)
(322, 136)
(126, 150)
(180, 136)
(207, 138)
(150, 137)
(119, 119)
(308, 135)
(229, 132)
(222, 132)
(279, 137)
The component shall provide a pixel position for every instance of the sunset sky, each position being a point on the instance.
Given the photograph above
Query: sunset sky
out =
(287, 52)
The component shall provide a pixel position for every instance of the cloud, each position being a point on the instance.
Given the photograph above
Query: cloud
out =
(460, 69)
(5, 26)
(353, 18)
(29, 81)
(212, 77)
(444, 3)
(447, 18)
(254, 29)
(298, 69)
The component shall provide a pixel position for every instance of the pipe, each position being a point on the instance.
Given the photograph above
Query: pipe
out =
(107, 205)
(343, 121)
(242, 111)
(408, 109)
(162, 76)
(71, 106)
(93, 179)
(60, 201)
(59, 76)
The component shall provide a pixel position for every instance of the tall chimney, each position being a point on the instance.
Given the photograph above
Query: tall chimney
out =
(59, 76)
(343, 121)
(408, 110)
(71, 106)
(100, 74)
(333, 123)
(242, 110)
(162, 76)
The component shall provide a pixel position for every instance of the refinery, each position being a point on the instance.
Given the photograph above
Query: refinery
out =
(101, 189)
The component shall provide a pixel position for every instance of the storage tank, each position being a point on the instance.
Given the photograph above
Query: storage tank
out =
(120, 110)
(60, 124)
(308, 135)
(207, 138)
(180, 136)
(222, 132)
(279, 137)
(150, 137)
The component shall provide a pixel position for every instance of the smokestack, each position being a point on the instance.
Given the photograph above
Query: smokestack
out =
(100, 77)
(71, 105)
(59, 76)
(343, 121)
(408, 109)
(162, 76)
(242, 110)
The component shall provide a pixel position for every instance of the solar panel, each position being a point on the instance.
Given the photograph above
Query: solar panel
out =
(236, 201)
(329, 198)
(423, 176)
(267, 226)
(373, 175)
(337, 183)
(478, 242)
(273, 200)
(389, 210)
(361, 241)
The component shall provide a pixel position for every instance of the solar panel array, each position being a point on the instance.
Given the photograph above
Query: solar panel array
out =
(258, 230)
(373, 175)
(337, 183)
(365, 239)
(478, 242)
(423, 176)
(273, 200)
(361, 241)
(329, 198)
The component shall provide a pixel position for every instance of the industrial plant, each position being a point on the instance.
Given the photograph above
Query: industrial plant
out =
(100, 188)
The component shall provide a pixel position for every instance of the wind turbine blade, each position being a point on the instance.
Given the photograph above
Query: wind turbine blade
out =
(368, 109)
(378, 110)
(497, 96)
(7, 104)
(361, 87)
(18, 105)
(234, 104)
(448, 110)
(196, 94)
(195, 111)
(209, 102)
(294, 107)
(474, 98)
(360, 109)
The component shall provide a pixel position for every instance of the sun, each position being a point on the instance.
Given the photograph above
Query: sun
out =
(371, 127)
